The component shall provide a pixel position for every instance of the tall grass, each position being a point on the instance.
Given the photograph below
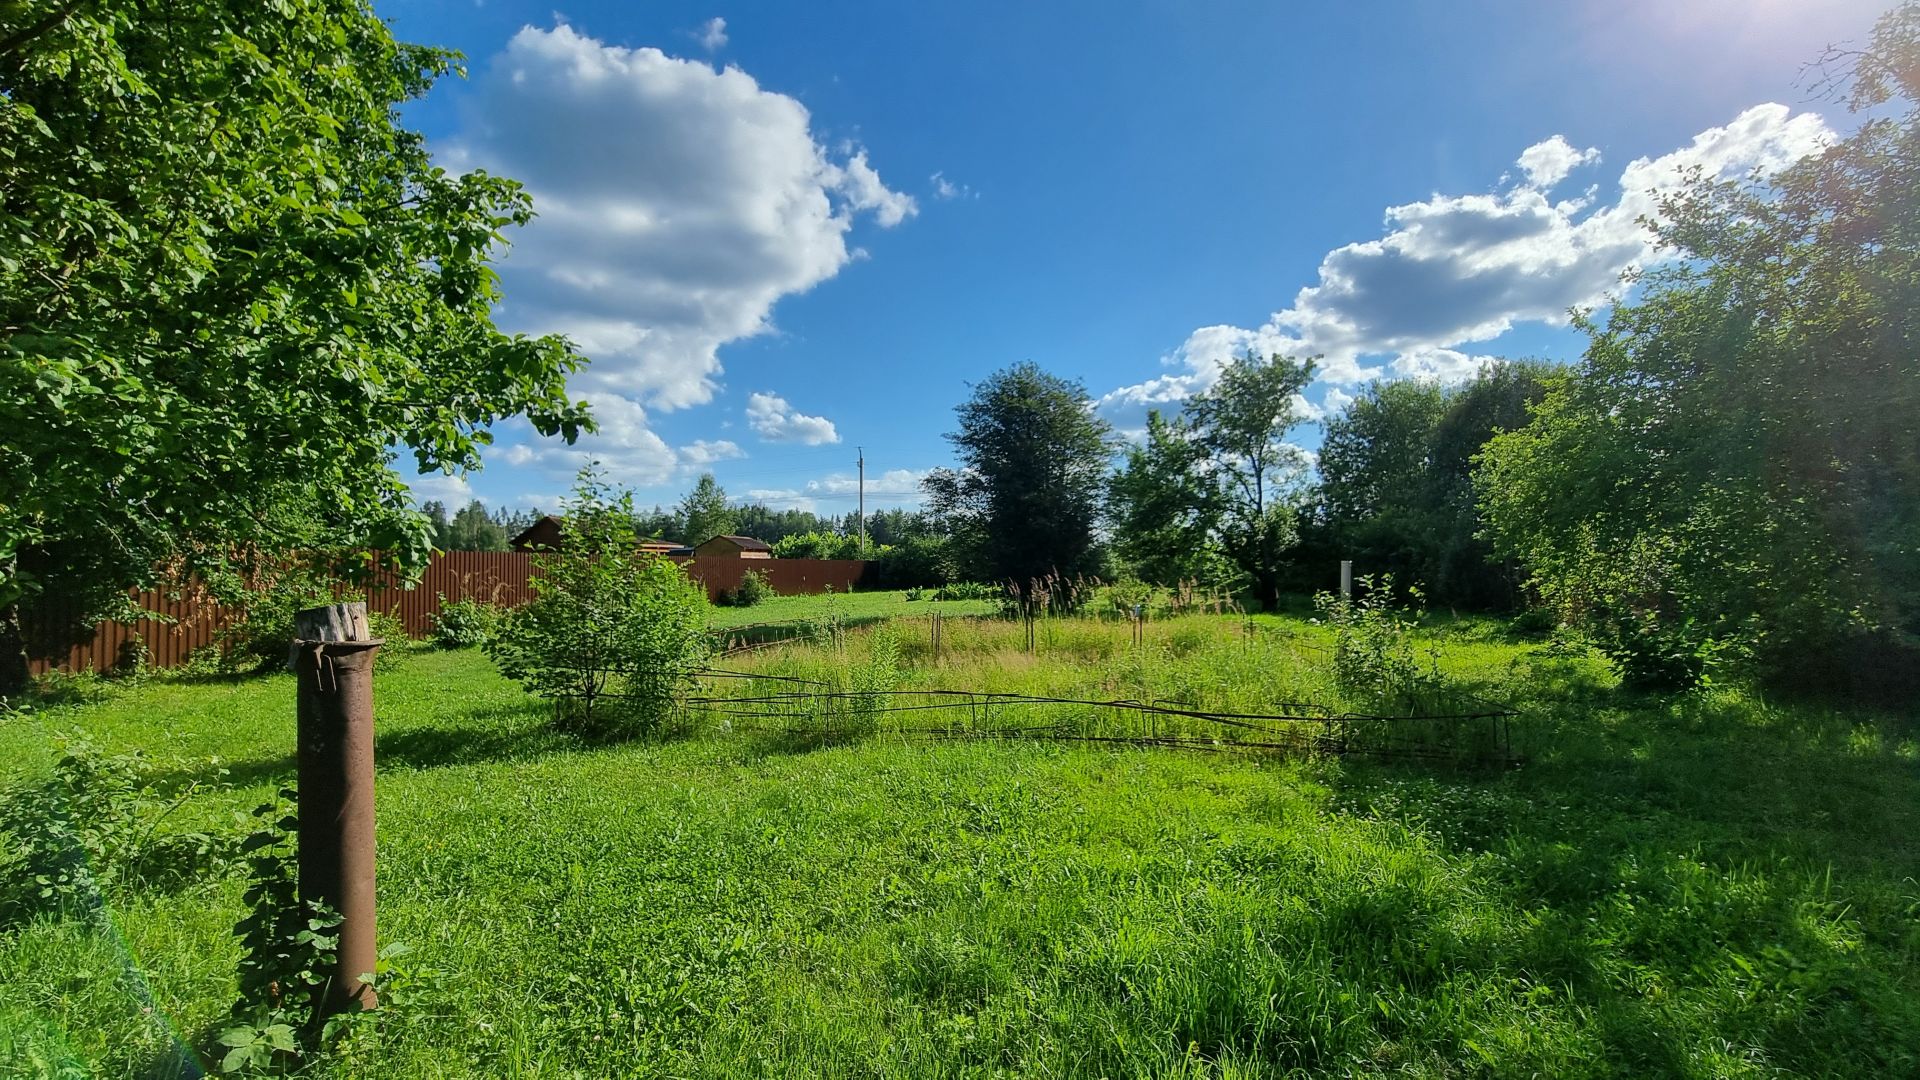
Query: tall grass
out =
(1196, 664)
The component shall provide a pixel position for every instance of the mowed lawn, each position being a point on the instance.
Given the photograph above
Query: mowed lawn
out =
(1707, 886)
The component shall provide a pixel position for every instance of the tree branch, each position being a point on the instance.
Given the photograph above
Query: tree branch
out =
(14, 41)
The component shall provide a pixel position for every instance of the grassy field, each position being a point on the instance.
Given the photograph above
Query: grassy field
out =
(856, 608)
(1712, 885)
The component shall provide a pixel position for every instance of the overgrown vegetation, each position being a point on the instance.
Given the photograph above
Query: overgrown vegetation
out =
(1729, 479)
(465, 623)
(1375, 661)
(287, 951)
(611, 635)
(91, 829)
(753, 589)
(1709, 884)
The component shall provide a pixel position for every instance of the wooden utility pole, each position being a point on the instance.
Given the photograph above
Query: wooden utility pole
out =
(332, 658)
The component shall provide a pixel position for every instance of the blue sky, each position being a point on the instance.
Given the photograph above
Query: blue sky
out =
(784, 232)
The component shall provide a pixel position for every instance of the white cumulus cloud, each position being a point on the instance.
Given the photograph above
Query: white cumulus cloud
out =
(626, 446)
(1452, 270)
(703, 452)
(1547, 163)
(774, 420)
(452, 491)
(677, 205)
(838, 493)
(944, 188)
(713, 34)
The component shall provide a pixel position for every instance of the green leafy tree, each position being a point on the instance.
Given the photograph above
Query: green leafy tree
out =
(658, 523)
(605, 621)
(704, 513)
(895, 526)
(1732, 472)
(765, 523)
(1242, 421)
(1033, 460)
(1163, 505)
(920, 561)
(473, 530)
(1396, 481)
(1376, 460)
(436, 515)
(230, 282)
(820, 545)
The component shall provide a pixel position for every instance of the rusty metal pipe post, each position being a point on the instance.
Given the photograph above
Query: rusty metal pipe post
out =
(333, 661)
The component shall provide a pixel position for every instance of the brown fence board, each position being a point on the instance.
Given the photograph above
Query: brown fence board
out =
(193, 621)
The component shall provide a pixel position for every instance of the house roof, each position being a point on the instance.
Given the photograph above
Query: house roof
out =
(527, 537)
(547, 533)
(744, 543)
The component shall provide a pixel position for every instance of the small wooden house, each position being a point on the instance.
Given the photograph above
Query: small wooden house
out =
(542, 535)
(547, 534)
(734, 547)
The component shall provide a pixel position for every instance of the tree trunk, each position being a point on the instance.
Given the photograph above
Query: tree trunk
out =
(1267, 586)
(14, 677)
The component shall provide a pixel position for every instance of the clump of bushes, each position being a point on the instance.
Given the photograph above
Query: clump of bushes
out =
(821, 545)
(612, 636)
(752, 589)
(57, 687)
(1375, 663)
(917, 562)
(260, 638)
(465, 623)
(93, 825)
(969, 590)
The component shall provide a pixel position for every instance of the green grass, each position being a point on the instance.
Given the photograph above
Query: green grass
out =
(856, 607)
(1712, 885)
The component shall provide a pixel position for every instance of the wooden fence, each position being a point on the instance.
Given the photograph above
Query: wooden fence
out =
(193, 620)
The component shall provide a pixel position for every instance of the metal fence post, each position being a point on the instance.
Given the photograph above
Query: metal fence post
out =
(333, 663)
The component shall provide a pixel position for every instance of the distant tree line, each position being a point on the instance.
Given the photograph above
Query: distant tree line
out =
(703, 513)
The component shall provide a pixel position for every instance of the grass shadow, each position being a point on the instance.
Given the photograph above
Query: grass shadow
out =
(1720, 848)
(498, 735)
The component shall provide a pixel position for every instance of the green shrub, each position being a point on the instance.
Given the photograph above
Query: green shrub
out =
(93, 825)
(752, 589)
(260, 638)
(1535, 622)
(1129, 596)
(820, 545)
(919, 561)
(57, 687)
(1375, 664)
(389, 628)
(969, 590)
(465, 623)
(606, 622)
(871, 683)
